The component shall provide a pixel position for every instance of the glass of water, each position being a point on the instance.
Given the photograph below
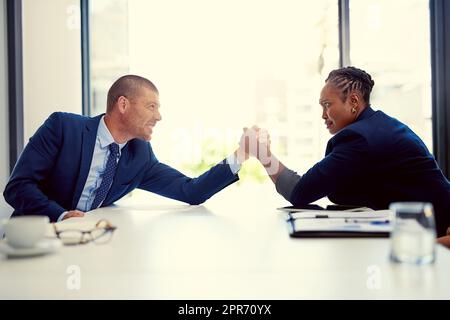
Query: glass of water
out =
(413, 236)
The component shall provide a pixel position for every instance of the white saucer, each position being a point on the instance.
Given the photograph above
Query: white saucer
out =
(42, 247)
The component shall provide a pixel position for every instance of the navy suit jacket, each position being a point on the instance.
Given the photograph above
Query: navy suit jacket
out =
(51, 172)
(373, 162)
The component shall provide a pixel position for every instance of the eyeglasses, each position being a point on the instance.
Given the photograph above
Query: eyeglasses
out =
(101, 233)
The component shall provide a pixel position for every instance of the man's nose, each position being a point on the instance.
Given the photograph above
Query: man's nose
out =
(324, 114)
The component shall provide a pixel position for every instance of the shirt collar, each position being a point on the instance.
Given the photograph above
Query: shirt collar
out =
(104, 136)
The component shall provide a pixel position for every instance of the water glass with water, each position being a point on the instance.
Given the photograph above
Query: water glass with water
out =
(413, 236)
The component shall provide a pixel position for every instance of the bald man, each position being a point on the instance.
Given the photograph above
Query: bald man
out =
(74, 164)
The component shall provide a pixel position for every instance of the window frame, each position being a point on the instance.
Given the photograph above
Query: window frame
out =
(440, 81)
(15, 79)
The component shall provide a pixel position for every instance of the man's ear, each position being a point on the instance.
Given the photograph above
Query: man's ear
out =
(122, 104)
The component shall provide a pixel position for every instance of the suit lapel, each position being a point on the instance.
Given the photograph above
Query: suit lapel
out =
(88, 143)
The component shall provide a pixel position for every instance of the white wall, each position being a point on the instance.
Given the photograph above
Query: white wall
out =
(51, 60)
(51, 70)
(5, 209)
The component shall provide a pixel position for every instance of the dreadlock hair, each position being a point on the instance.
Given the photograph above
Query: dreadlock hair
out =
(351, 79)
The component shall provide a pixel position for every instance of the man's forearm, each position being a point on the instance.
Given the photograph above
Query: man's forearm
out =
(31, 200)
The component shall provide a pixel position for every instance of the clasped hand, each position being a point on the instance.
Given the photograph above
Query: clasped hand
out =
(255, 142)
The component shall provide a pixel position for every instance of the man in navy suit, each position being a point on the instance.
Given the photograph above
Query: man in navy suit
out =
(74, 164)
(372, 160)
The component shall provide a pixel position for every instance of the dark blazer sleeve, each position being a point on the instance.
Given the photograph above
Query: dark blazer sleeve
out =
(346, 160)
(169, 182)
(23, 190)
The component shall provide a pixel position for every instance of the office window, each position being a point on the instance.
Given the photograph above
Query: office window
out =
(220, 66)
(390, 40)
(108, 22)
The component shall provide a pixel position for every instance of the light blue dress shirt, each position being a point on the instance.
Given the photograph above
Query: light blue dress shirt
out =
(98, 166)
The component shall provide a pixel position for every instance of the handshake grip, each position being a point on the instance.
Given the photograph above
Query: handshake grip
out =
(256, 142)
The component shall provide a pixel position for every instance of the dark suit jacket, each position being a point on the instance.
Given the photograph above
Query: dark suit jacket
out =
(51, 172)
(373, 162)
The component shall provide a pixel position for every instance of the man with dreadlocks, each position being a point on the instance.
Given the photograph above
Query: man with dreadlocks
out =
(372, 160)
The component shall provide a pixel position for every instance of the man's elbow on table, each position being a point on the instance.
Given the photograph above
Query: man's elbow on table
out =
(9, 194)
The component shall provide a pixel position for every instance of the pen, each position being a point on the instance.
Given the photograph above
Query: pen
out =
(377, 222)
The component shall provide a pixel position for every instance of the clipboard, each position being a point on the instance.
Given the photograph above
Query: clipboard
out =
(340, 224)
(332, 207)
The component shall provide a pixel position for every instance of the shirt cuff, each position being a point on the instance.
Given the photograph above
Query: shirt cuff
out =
(286, 182)
(232, 161)
(62, 216)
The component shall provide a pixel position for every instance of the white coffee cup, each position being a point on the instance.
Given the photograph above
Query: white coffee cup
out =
(25, 231)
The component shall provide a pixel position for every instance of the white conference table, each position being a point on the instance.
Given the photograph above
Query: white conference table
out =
(220, 250)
